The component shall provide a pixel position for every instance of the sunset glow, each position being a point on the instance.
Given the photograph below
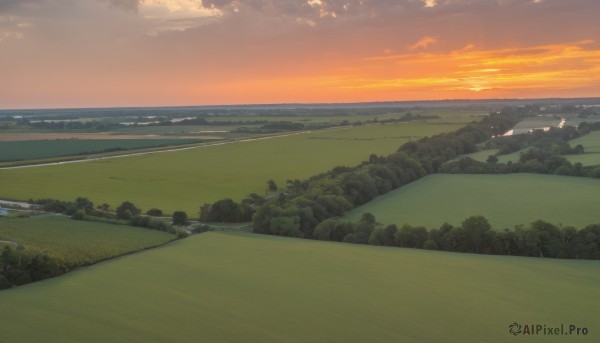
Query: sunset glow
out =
(186, 52)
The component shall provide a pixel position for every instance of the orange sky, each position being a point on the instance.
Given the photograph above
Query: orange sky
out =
(88, 53)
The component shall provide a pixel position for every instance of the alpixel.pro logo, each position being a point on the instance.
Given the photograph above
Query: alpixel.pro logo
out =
(516, 329)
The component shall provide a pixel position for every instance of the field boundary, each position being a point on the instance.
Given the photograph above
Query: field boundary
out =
(78, 159)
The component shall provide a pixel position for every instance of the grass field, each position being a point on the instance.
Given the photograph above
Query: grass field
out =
(184, 180)
(591, 148)
(28, 150)
(218, 287)
(78, 242)
(505, 200)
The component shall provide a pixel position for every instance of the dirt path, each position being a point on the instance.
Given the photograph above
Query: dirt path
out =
(14, 204)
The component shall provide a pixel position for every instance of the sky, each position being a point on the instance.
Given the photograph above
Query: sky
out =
(109, 53)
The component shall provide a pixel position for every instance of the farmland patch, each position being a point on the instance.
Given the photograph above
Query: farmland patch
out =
(591, 146)
(184, 180)
(38, 149)
(252, 288)
(78, 242)
(505, 200)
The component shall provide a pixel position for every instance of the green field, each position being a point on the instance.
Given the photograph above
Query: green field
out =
(505, 200)
(29, 150)
(184, 180)
(78, 242)
(591, 148)
(218, 287)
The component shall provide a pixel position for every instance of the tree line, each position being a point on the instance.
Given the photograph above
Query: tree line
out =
(18, 267)
(544, 155)
(125, 214)
(312, 208)
(474, 235)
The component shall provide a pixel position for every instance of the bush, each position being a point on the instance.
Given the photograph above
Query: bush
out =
(201, 228)
(181, 234)
(430, 245)
(127, 210)
(78, 215)
(155, 212)
(4, 283)
(180, 218)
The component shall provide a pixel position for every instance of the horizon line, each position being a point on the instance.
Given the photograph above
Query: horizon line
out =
(304, 104)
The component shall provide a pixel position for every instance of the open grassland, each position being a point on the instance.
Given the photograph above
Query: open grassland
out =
(78, 242)
(218, 287)
(28, 150)
(591, 148)
(184, 180)
(505, 200)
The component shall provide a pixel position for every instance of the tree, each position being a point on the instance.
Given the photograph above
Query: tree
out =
(225, 210)
(127, 210)
(563, 170)
(155, 212)
(272, 185)
(364, 228)
(323, 230)
(84, 204)
(476, 230)
(180, 218)
(389, 235)
(368, 217)
(430, 245)
(492, 159)
(333, 229)
(204, 213)
(376, 237)
(78, 215)
(286, 226)
(549, 235)
(104, 207)
(411, 237)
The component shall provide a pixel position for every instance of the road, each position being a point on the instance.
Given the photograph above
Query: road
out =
(14, 204)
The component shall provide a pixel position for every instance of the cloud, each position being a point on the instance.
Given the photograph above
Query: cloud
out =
(430, 3)
(547, 67)
(423, 43)
(176, 15)
(8, 5)
(127, 5)
(182, 51)
(12, 28)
